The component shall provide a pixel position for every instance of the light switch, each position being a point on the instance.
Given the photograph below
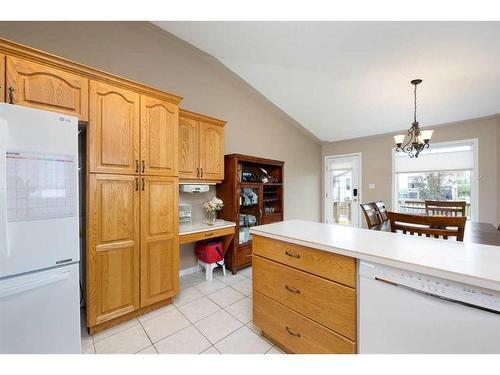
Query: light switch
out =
(371, 186)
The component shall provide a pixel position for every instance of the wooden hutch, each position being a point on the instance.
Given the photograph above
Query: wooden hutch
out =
(252, 192)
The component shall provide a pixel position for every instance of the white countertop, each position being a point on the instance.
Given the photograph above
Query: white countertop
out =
(201, 226)
(465, 262)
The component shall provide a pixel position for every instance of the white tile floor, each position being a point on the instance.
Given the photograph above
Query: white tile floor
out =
(207, 317)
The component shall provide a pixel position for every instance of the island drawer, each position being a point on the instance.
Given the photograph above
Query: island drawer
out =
(334, 267)
(328, 303)
(295, 332)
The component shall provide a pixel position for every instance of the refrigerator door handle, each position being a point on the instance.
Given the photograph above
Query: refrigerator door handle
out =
(3, 187)
(32, 284)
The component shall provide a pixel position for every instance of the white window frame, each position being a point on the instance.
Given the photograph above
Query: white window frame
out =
(474, 198)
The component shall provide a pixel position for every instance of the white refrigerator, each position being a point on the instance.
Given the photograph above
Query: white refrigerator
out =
(39, 232)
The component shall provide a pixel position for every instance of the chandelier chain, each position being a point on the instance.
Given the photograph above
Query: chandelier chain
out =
(415, 104)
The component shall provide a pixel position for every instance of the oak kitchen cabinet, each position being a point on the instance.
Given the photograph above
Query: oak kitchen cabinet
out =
(159, 137)
(113, 129)
(41, 86)
(304, 299)
(201, 147)
(159, 254)
(2, 78)
(113, 247)
(133, 257)
(123, 143)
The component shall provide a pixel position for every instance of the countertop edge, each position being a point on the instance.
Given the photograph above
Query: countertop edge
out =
(229, 225)
(442, 273)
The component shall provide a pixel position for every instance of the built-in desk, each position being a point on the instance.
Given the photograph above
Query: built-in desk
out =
(192, 232)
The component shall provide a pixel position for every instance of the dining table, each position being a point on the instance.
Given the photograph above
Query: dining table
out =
(475, 232)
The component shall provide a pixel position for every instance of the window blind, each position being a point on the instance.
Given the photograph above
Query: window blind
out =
(437, 158)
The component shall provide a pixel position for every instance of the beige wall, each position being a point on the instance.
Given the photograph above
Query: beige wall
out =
(144, 53)
(377, 161)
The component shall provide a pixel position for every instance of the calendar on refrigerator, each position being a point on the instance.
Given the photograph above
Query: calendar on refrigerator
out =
(40, 186)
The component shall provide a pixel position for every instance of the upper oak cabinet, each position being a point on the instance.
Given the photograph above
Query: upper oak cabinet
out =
(2, 78)
(159, 134)
(44, 87)
(201, 147)
(113, 129)
(211, 151)
(188, 148)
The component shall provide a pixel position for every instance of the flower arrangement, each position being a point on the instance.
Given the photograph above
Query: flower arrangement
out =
(214, 204)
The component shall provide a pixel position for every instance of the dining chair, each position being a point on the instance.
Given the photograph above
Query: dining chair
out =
(371, 214)
(429, 226)
(382, 211)
(445, 208)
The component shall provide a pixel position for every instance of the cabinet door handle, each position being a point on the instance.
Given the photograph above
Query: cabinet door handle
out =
(292, 290)
(209, 234)
(201, 172)
(137, 166)
(11, 95)
(296, 334)
(197, 172)
(136, 183)
(143, 166)
(143, 184)
(292, 255)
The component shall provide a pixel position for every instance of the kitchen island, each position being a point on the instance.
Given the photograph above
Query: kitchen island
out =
(308, 299)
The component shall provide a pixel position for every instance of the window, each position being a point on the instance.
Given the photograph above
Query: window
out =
(445, 171)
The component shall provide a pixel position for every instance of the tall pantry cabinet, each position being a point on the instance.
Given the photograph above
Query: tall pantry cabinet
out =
(133, 254)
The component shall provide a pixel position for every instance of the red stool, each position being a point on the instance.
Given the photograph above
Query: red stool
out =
(210, 255)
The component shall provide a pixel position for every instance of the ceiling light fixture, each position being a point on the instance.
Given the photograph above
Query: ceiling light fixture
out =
(417, 139)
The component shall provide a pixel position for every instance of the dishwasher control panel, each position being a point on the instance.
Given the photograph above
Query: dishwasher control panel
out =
(451, 290)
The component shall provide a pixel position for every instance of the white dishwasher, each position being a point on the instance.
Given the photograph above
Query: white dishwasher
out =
(408, 312)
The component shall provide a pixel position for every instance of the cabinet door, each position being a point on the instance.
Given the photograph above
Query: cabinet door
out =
(113, 247)
(159, 239)
(2, 78)
(159, 137)
(211, 152)
(188, 148)
(43, 87)
(113, 129)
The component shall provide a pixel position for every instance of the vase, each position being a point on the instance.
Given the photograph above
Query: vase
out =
(212, 216)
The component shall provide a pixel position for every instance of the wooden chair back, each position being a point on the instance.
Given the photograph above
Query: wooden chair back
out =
(429, 226)
(371, 214)
(445, 208)
(382, 211)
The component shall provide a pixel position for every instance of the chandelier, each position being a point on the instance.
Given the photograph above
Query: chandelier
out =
(417, 139)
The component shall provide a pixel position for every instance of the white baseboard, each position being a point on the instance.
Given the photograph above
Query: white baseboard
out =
(187, 271)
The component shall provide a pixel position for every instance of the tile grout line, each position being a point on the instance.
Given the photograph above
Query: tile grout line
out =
(173, 333)
(213, 344)
(131, 320)
(147, 335)
(206, 338)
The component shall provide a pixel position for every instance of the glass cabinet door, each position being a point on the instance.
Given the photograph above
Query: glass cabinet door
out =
(250, 211)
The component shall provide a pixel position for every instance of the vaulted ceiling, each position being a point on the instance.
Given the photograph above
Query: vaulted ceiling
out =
(343, 80)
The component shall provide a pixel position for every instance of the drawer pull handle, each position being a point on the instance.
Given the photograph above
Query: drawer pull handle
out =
(293, 290)
(296, 334)
(292, 254)
(209, 234)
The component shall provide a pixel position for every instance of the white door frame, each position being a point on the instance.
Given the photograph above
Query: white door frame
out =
(325, 181)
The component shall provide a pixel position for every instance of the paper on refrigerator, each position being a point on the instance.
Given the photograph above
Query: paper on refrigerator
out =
(40, 186)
